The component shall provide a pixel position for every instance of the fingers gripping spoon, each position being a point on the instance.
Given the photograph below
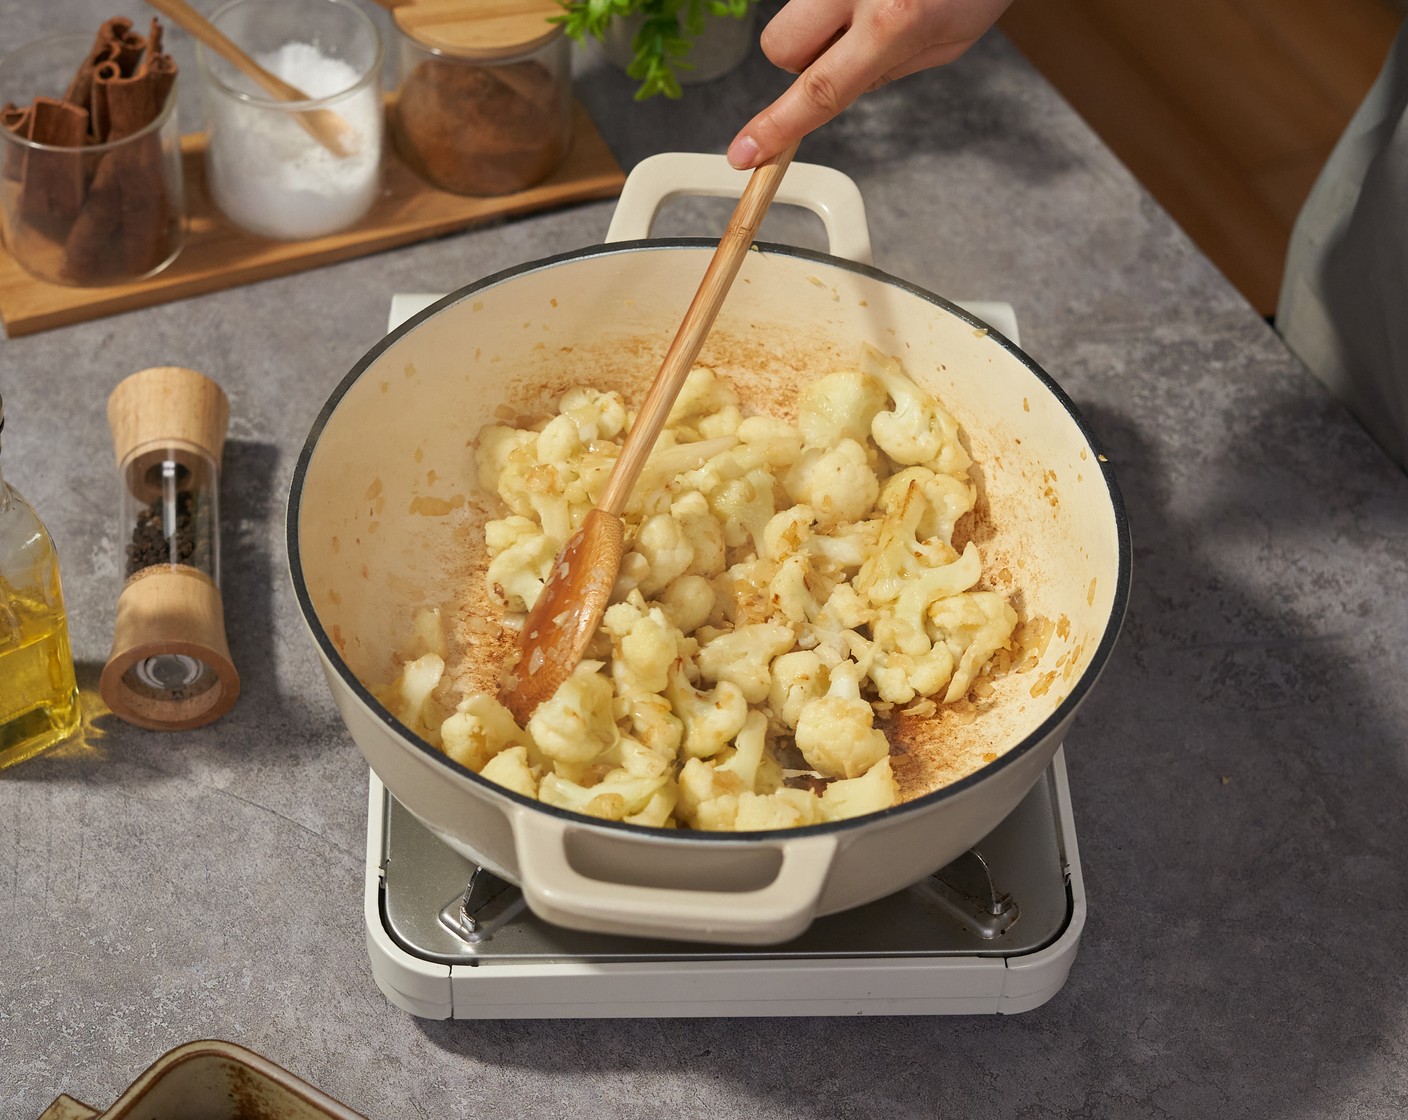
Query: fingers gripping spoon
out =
(562, 622)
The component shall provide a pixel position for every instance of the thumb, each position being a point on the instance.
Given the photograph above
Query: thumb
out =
(811, 101)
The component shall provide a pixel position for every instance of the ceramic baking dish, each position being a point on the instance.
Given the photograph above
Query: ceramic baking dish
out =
(211, 1080)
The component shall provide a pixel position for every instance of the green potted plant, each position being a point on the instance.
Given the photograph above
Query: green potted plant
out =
(665, 44)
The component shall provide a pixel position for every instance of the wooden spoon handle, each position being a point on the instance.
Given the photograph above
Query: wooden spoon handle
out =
(323, 125)
(718, 278)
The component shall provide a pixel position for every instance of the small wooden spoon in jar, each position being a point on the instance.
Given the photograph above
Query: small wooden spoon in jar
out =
(562, 622)
(325, 126)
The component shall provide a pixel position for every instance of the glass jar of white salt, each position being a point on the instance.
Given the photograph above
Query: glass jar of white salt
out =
(295, 169)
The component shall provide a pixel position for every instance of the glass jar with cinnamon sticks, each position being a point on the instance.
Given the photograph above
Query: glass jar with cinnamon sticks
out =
(484, 99)
(91, 191)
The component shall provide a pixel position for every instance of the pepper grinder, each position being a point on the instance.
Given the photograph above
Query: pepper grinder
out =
(170, 665)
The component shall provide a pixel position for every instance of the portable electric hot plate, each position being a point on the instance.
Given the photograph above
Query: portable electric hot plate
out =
(996, 931)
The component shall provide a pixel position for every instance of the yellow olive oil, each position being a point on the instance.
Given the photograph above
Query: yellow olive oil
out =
(38, 693)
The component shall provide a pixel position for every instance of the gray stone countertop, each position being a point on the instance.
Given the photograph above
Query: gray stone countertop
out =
(1238, 776)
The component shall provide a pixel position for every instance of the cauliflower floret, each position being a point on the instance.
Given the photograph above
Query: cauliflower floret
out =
(750, 761)
(787, 532)
(795, 588)
(703, 533)
(511, 769)
(576, 724)
(634, 568)
(559, 441)
(852, 797)
(797, 678)
(903, 659)
(667, 551)
(428, 632)
(495, 447)
(596, 415)
(836, 482)
(947, 499)
(844, 609)
(412, 703)
(783, 808)
(710, 718)
(845, 547)
(839, 406)
(973, 626)
(615, 797)
(645, 646)
(836, 732)
(838, 550)
(669, 463)
(918, 430)
(654, 723)
(744, 506)
(672, 469)
(639, 759)
(899, 676)
(742, 657)
(742, 595)
(708, 799)
(688, 602)
(711, 792)
(899, 556)
(503, 533)
(519, 569)
(706, 404)
(540, 491)
(478, 729)
(943, 581)
(724, 422)
(658, 810)
(891, 674)
(778, 441)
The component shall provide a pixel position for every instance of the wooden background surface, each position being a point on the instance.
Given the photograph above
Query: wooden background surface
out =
(1225, 109)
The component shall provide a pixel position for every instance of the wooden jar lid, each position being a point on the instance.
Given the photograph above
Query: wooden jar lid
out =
(480, 29)
(170, 621)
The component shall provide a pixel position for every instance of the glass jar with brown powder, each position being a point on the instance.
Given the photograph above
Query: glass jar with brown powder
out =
(484, 102)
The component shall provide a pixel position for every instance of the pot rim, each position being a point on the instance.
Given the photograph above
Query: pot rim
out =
(1062, 712)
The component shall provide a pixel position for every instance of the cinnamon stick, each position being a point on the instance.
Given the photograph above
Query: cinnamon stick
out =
(115, 43)
(111, 211)
(123, 227)
(52, 183)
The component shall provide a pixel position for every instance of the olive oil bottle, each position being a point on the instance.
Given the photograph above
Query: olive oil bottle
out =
(38, 693)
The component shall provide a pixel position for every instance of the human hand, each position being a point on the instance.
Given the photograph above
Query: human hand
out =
(842, 48)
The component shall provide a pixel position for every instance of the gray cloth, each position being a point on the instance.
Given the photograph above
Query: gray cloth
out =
(1344, 297)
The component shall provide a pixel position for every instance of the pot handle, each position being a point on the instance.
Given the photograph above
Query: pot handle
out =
(774, 912)
(828, 193)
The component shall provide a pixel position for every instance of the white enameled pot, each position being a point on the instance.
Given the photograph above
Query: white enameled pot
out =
(385, 518)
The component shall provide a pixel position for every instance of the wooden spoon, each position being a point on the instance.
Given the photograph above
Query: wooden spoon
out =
(562, 622)
(325, 126)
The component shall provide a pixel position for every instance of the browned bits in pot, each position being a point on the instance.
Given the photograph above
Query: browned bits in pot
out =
(481, 130)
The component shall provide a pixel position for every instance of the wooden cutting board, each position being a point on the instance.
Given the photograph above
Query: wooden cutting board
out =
(218, 254)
